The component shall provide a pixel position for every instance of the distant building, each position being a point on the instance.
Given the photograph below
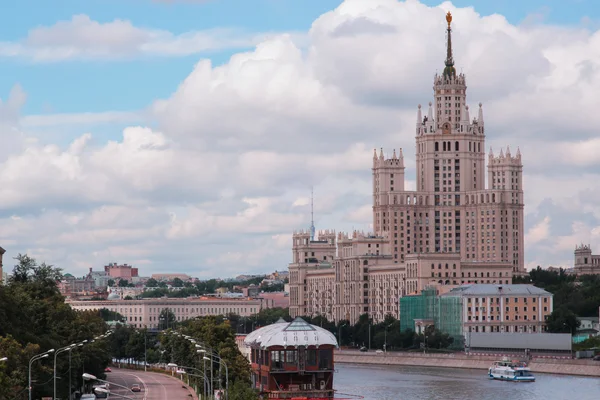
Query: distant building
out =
(278, 299)
(588, 328)
(121, 271)
(585, 261)
(100, 278)
(70, 286)
(481, 308)
(170, 277)
(251, 291)
(146, 312)
(242, 278)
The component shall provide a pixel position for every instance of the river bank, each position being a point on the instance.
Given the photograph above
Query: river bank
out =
(459, 360)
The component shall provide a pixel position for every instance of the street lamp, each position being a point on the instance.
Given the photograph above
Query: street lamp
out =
(212, 353)
(71, 349)
(61, 350)
(3, 359)
(35, 358)
(385, 338)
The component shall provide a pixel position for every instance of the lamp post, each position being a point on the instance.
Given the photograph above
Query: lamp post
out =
(385, 338)
(61, 350)
(71, 349)
(35, 358)
(203, 375)
(212, 353)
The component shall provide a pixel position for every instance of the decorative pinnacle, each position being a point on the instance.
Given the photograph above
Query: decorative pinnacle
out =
(449, 18)
(449, 58)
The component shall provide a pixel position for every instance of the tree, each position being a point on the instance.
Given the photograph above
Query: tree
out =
(151, 283)
(123, 283)
(166, 319)
(562, 320)
(110, 282)
(177, 283)
(27, 270)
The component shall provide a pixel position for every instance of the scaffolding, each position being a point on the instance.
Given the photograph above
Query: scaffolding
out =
(444, 311)
(417, 307)
(448, 318)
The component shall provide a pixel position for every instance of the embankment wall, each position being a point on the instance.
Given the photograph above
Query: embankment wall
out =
(459, 360)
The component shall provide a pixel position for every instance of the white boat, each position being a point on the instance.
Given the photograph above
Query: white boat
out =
(513, 371)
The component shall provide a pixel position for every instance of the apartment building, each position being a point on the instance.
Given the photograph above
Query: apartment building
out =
(503, 308)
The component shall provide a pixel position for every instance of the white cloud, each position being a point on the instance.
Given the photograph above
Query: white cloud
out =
(83, 38)
(218, 185)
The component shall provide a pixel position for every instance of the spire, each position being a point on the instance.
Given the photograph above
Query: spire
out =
(449, 71)
(419, 117)
(508, 151)
(381, 154)
(394, 155)
(501, 153)
(467, 118)
(491, 152)
(401, 157)
(480, 116)
(374, 154)
(312, 216)
(430, 114)
(518, 152)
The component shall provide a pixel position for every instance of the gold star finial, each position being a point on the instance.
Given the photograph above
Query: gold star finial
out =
(449, 18)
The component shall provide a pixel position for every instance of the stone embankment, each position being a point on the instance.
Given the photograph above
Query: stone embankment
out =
(461, 360)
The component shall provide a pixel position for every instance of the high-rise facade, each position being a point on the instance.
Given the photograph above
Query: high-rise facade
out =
(451, 230)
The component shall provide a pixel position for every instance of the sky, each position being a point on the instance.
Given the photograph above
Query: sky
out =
(185, 135)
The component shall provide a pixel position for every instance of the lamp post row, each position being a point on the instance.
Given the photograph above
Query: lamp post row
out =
(46, 354)
(203, 351)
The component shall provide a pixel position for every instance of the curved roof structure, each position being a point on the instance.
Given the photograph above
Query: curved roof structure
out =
(296, 333)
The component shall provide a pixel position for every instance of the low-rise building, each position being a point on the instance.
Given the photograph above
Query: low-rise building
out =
(480, 308)
(146, 312)
(124, 271)
(170, 277)
(588, 328)
(71, 286)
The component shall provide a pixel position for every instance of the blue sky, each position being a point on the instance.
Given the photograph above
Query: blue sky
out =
(84, 86)
(230, 157)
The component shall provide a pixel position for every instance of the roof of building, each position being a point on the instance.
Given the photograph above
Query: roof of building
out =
(592, 319)
(296, 333)
(487, 289)
(504, 340)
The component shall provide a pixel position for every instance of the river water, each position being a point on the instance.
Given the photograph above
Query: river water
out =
(418, 383)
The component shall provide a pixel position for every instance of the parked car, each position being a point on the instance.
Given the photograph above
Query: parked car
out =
(136, 388)
(363, 349)
(107, 369)
(379, 351)
(596, 358)
(88, 396)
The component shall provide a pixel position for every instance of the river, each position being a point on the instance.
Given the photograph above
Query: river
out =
(418, 383)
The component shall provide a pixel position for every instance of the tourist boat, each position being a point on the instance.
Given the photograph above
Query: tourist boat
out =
(513, 371)
(293, 361)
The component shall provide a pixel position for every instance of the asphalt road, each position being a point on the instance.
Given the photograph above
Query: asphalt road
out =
(154, 386)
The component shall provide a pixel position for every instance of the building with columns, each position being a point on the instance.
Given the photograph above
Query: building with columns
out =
(451, 230)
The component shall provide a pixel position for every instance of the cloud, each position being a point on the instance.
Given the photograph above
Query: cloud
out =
(213, 179)
(83, 38)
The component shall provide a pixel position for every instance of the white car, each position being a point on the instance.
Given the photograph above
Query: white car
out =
(88, 396)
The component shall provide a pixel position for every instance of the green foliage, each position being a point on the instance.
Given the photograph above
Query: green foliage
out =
(151, 283)
(242, 391)
(33, 319)
(591, 343)
(123, 283)
(166, 319)
(110, 282)
(562, 320)
(177, 282)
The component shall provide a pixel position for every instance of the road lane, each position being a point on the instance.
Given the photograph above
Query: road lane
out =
(155, 386)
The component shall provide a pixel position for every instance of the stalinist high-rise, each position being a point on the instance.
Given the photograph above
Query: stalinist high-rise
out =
(449, 231)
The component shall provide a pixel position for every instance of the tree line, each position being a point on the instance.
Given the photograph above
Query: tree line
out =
(34, 319)
(574, 296)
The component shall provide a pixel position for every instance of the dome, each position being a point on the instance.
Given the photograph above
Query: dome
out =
(113, 296)
(296, 333)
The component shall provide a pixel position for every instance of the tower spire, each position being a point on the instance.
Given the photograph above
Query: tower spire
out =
(312, 215)
(449, 71)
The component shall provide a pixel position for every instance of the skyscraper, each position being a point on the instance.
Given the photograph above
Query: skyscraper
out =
(450, 231)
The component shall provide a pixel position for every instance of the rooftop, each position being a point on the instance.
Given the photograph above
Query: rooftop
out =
(296, 333)
(486, 289)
